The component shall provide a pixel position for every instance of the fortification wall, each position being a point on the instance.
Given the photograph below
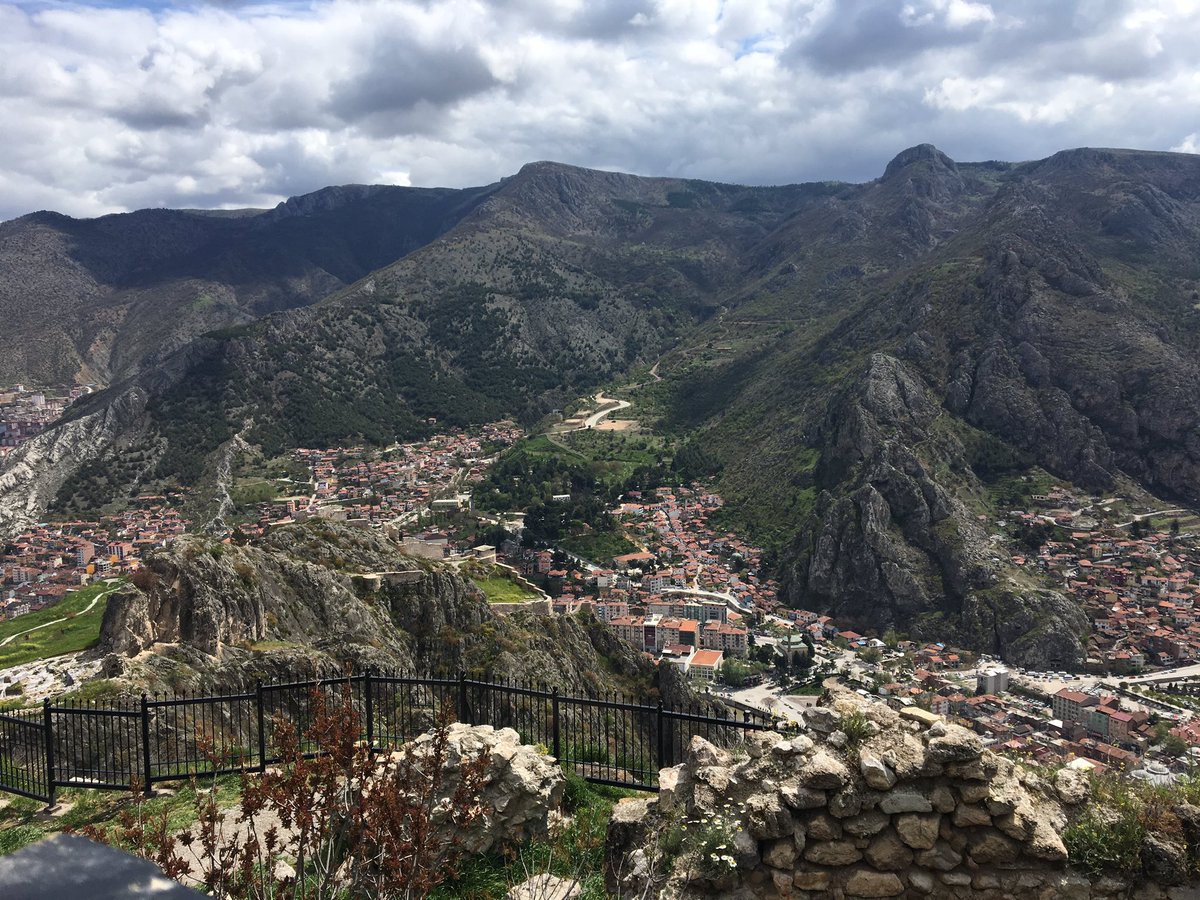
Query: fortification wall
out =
(866, 804)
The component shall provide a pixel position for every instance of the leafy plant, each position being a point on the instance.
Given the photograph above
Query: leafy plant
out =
(349, 824)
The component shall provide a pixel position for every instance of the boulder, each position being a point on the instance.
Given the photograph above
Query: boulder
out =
(888, 853)
(545, 887)
(1072, 786)
(904, 800)
(832, 853)
(821, 771)
(876, 772)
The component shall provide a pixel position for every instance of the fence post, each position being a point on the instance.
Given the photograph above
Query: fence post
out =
(663, 762)
(47, 721)
(262, 727)
(462, 698)
(146, 788)
(554, 736)
(369, 710)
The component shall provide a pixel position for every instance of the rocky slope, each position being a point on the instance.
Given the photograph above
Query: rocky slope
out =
(865, 360)
(94, 300)
(204, 612)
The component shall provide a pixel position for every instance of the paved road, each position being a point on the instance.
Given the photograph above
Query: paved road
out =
(608, 405)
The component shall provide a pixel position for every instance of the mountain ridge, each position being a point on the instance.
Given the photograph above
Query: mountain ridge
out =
(855, 355)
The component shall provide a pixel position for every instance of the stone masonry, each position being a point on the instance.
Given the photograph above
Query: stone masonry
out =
(862, 804)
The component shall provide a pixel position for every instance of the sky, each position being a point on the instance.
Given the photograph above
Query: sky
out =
(112, 106)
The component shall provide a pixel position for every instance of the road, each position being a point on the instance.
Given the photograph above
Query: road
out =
(86, 609)
(608, 405)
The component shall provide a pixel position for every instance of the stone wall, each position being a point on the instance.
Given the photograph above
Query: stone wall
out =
(862, 803)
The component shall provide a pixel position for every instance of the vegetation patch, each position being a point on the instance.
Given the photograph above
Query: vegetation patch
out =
(78, 629)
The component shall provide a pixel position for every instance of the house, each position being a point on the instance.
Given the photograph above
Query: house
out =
(706, 664)
(1071, 706)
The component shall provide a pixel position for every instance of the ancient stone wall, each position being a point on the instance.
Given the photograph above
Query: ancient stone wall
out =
(863, 803)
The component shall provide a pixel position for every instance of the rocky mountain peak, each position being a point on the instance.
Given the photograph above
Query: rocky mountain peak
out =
(928, 157)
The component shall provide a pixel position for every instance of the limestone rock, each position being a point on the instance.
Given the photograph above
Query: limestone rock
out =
(832, 853)
(1072, 786)
(888, 853)
(821, 718)
(967, 816)
(991, 848)
(522, 785)
(802, 798)
(823, 827)
(864, 883)
(904, 800)
(866, 823)
(876, 772)
(918, 831)
(942, 857)
(545, 887)
(780, 854)
(824, 772)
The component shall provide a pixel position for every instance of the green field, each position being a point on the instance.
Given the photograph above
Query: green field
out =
(598, 547)
(80, 630)
(502, 589)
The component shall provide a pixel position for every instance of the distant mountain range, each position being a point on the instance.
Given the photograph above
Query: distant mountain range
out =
(872, 364)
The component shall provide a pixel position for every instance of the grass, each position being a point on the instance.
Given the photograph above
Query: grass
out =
(23, 821)
(599, 546)
(576, 853)
(79, 632)
(500, 588)
(1109, 836)
(248, 493)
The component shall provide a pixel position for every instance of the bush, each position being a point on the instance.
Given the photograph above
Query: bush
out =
(350, 824)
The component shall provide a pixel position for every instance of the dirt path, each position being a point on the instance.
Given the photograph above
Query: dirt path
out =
(87, 609)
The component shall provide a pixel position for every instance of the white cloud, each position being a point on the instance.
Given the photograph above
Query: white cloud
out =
(107, 108)
(1190, 144)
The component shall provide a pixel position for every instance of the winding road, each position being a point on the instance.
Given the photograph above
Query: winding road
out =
(86, 609)
(607, 405)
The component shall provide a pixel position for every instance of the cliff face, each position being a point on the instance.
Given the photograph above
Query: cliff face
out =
(208, 612)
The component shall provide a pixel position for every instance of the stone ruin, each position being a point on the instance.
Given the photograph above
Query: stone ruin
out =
(864, 803)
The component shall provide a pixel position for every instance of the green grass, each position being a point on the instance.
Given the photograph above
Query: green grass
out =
(578, 852)
(502, 589)
(1109, 835)
(79, 632)
(23, 821)
(598, 546)
(248, 493)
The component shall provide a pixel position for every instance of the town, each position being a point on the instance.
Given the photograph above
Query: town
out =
(27, 412)
(696, 596)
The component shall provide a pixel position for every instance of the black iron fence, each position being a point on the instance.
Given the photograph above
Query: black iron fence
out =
(120, 745)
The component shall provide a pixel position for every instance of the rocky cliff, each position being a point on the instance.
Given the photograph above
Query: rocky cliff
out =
(295, 605)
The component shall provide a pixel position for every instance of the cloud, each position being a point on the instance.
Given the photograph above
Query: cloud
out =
(112, 106)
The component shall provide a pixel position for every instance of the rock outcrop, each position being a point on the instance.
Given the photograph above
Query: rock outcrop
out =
(870, 805)
(291, 606)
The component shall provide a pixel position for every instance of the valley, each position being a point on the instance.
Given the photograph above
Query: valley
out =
(945, 413)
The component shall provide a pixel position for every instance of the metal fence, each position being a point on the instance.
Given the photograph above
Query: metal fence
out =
(120, 745)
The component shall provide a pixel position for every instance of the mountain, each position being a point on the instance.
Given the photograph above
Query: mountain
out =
(94, 300)
(869, 363)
